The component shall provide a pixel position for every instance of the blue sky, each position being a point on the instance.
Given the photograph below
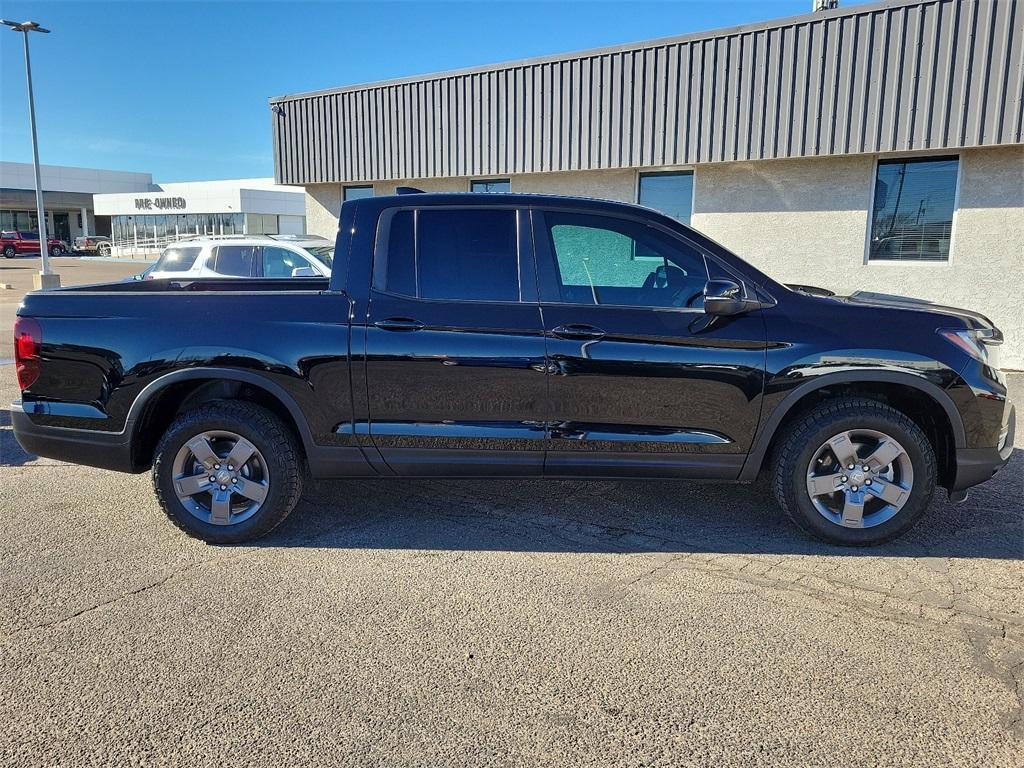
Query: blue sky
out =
(180, 89)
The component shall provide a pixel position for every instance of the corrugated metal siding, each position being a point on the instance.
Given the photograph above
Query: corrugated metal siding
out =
(936, 74)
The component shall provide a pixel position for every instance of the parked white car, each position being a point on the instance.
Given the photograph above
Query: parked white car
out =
(244, 256)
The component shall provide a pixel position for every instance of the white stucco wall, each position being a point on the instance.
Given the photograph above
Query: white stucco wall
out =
(806, 221)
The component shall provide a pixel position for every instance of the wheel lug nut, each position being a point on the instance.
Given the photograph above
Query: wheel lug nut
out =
(849, 467)
(853, 488)
(217, 466)
(232, 469)
(867, 482)
(223, 487)
(867, 468)
(213, 479)
(844, 478)
(234, 479)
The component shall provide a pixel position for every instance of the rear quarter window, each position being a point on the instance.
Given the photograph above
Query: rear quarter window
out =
(177, 259)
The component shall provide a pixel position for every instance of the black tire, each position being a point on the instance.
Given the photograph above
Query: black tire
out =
(273, 440)
(58, 250)
(797, 446)
(10, 252)
(103, 249)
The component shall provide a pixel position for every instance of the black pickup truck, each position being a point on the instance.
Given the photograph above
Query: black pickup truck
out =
(514, 335)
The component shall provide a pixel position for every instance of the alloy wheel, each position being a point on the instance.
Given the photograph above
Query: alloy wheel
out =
(860, 478)
(220, 477)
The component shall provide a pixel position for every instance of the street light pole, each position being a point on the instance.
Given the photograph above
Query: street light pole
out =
(46, 278)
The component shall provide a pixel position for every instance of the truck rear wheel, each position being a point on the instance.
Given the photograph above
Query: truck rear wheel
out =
(854, 472)
(227, 472)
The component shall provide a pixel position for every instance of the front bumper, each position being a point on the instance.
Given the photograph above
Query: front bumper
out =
(976, 465)
(107, 450)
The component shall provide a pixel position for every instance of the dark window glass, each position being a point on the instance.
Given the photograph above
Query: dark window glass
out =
(356, 193)
(490, 185)
(279, 262)
(401, 250)
(29, 235)
(447, 254)
(468, 254)
(913, 209)
(176, 259)
(235, 260)
(670, 193)
(602, 260)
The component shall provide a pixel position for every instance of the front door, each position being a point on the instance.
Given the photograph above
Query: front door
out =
(455, 353)
(61, 227)
(642, 380)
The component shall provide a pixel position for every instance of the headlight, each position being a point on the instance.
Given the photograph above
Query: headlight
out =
(982, 345)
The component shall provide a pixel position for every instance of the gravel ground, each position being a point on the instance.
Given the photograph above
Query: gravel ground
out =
(513, 623)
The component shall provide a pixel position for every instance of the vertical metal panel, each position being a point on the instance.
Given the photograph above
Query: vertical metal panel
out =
(894, 75)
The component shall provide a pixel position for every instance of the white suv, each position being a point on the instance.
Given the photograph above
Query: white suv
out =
(245, 256)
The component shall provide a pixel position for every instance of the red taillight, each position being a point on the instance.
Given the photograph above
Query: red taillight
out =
(28, 337)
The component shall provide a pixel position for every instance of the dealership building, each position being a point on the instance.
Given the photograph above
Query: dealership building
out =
(142, 224)
(873, 147)
(67, 197)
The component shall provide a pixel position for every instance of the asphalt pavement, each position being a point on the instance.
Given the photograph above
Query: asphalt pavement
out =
(502, 623)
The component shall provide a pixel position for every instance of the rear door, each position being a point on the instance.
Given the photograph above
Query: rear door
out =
(455, 352)
(642, 380)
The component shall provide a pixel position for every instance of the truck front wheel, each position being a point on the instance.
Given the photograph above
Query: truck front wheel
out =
(854, 472)
(228, 472)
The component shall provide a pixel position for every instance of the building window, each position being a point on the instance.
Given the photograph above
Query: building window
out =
(261, 224)
(490, 185)
(912, 216)
(356, 193)
(671, 193)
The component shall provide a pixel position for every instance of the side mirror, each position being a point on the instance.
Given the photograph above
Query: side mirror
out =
(724, 297)
(304, 272)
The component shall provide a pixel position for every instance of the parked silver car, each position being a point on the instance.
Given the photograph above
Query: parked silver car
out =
(245, 256)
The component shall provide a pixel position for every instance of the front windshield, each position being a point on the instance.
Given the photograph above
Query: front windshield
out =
(323, 253)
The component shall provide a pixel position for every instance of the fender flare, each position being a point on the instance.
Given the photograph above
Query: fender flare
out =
(757, 453)
(155, 387)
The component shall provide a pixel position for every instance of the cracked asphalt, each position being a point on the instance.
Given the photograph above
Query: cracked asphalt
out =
(511, 623)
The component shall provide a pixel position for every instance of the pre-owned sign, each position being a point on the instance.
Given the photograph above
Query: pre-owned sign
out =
(162, 203)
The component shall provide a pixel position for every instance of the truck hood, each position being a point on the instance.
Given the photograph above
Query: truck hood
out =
(867, 298)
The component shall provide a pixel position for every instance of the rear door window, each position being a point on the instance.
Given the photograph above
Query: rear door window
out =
(462, 254)
(177, 259)
(236, 260)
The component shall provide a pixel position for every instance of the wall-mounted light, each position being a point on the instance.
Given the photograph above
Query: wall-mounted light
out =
(277, 109)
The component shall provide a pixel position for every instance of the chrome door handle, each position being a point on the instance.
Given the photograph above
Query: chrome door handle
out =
(399, 324)
(577, 331)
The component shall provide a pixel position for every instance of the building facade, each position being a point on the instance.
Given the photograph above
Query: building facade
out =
(67, 197)
(877, 147)
(142, 224)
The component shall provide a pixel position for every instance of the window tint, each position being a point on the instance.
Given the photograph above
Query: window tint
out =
(603, 260)
(9, 236)
(670, 193)
(454, 254)
(236, 260)
(177, 259)
(356, 193)
(913, 209)
(401, 258)
(490, 185)
(279, 262)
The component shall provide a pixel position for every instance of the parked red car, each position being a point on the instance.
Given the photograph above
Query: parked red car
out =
(15, 242)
